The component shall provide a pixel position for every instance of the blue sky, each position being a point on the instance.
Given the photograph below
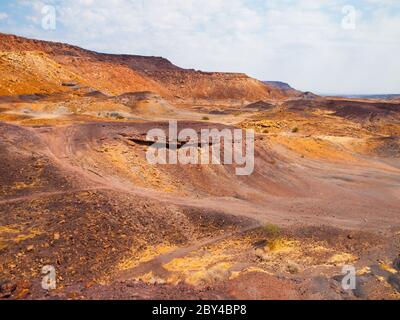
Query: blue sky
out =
(325, 46)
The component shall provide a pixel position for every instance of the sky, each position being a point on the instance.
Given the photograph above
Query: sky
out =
(323, 46)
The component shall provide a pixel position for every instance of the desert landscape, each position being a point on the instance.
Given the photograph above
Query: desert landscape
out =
(77, 193)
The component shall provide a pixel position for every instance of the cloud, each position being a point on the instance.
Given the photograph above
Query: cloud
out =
(298, 41)
(3, 15)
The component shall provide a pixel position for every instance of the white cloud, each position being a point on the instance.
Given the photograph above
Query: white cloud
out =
(3, 15)
(301, 41)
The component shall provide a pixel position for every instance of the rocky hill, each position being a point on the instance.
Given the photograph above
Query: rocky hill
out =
(284, 87)
(116, 74)
(24, 72)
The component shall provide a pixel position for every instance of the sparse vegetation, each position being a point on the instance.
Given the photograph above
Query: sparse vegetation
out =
(279, 244)
(205, 118)
(116, 115)
(295, 130)
(272, 231)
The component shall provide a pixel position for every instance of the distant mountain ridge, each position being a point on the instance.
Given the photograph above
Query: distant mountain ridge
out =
(373, 96)
(285, 88)
(280, 85)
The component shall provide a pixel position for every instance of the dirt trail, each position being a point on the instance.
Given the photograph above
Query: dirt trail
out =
(60, 148)
(71, 148)
(156, 265)
(63, 149)
(39, 195)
